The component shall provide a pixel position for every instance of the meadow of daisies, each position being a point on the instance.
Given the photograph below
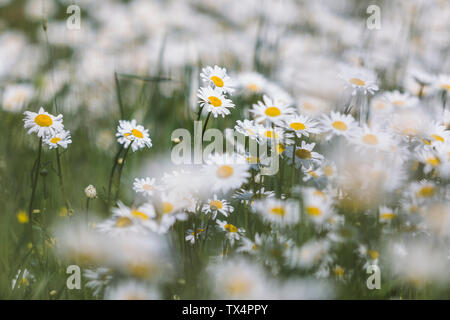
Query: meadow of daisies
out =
(115, 165)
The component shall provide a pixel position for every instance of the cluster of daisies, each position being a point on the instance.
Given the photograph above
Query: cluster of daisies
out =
(47, 127)
(215, 95)
(388, 173)
(132, 135)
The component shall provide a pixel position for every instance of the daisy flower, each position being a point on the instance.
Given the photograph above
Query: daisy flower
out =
(226, 173)
(317, 211)
(372, 139)
(275, 134)
(359, 80)
(214, 101)
(252, 82)
(316, 174)
(429, 159)
(248, 128)
(98, 279)
(192, 236)
(232, 232)
(127, 220)
(400, 100)
(338, 124)
(16, 96)
(239, 279)
(43, 123)
(329, 169)
(25, 280)
(147, 186)
(304, 156)
(278, 212)
(271, 109)
(423, 190)
(248, 195)
(302, 125)
(169, 208)
(313, 194)
(312, 106)
(140, 256)
(386, 214)
(215, 206)
(132, 290)
(58, 139)
(436, 134)
(442, 82)
(308, 255)
(369, 255)
(250, 246)
(128, 132)
(217, 77)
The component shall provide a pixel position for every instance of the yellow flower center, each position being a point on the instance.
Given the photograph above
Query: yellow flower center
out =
(328, 171)
(43, 120)
(139, 214)
(253, 87)
(198, 232)
(370, 139)
(387, 216)
(22, 217)
(309, 106)
(272, 112)
(224, 172)
(380, 105)
(216, 204)
(55, 140)
(217, 81)
(230, 228)
(270, 134)
(433, 161)
(445, 86)
(137, 133)
(237, 286)
(313, 211)
(357, 81)
(320, 194)
(148, 187)
(339, 125)
(252, 160)
(438, 138)
(280, 148)
(313, 174)
(141, 270)
(279, 211)
(123, 222)
(216, 102)
(398, 102)
(167, 207)
(426, 192)
(303, 153)
(373, 254)
(339, 271)
(297, 126)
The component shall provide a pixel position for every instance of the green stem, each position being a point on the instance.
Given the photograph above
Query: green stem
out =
(444, 99)
(120, 171)
(293, 163)
(33, 191)
(119, 96)
(111, 175)
(87, 212)
(206, 123)
(61, 181)
(199, 113)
